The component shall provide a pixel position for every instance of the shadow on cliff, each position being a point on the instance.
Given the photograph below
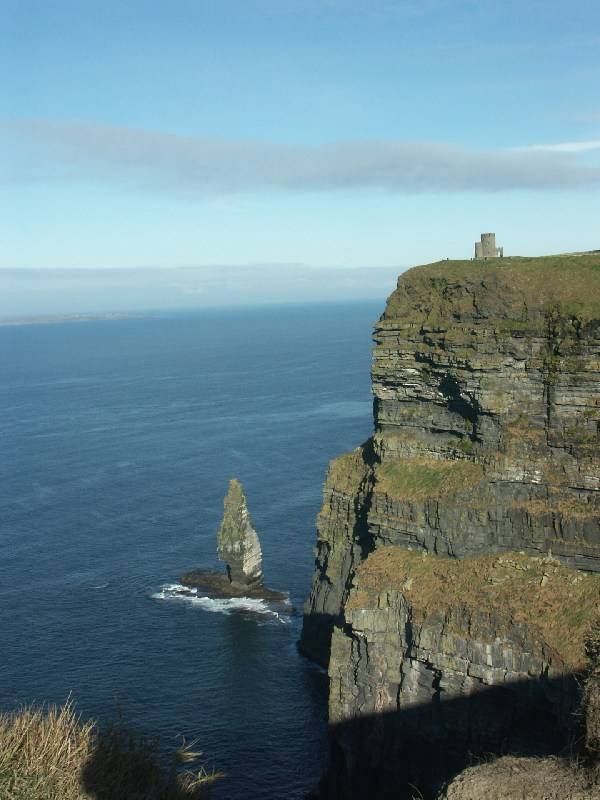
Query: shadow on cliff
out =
(413, 752)
(125, 766)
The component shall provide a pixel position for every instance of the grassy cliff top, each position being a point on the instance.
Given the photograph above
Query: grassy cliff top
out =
(509, 287)
(549, 598)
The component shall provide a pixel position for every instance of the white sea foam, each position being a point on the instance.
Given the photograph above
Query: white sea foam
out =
(251, 605)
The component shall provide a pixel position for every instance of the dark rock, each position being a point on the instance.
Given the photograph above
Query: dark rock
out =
(217, 584)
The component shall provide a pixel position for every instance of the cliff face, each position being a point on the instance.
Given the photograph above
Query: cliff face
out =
(438, 661)
(487, 415)
(494, 366)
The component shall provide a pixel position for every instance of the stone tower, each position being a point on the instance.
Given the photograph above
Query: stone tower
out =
(486, 248)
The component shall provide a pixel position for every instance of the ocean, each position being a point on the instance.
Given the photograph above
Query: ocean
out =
(118, 439)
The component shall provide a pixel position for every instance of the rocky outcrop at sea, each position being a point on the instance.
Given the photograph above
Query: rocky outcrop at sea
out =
(238, 547)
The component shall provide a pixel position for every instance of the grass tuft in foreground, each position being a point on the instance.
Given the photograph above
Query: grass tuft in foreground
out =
(51, 754)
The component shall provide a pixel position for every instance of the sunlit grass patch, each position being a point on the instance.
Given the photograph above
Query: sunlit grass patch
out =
(416, 479)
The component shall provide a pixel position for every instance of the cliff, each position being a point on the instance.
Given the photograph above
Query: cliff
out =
(457, 548)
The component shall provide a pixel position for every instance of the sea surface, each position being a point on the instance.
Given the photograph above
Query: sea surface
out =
(117, 441)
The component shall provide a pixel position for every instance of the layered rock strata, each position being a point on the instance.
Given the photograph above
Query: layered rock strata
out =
(487, 415)
(553, 778)
(497, 367)
(342, 542)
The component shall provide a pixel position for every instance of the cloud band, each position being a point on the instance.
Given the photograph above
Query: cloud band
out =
(196, 165)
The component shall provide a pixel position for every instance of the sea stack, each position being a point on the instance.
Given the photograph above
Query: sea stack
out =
(239, 549)
(238, 545)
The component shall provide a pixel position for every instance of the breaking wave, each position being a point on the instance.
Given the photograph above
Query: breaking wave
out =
(228, 605)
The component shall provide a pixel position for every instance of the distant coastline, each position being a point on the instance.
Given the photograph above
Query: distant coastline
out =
(60, 317)
(36, 295)
(50, 319)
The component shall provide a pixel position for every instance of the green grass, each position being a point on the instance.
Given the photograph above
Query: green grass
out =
(416, 479)
(511, 292)
(580, 435)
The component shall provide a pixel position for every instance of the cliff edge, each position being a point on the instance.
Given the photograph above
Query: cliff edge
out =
(458, 549)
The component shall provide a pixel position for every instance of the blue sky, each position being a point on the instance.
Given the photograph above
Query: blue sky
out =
(336, 133)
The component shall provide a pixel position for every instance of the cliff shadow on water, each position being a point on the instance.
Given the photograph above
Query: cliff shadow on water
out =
(414, 752)
(125, 766)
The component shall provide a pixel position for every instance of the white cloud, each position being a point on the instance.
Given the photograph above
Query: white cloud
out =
(192, 165)
(565, 147)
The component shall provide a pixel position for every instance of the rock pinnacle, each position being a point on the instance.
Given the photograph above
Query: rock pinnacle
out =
(238, 545)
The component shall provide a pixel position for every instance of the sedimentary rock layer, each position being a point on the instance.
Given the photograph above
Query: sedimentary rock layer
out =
(487, 416)
(342, 542)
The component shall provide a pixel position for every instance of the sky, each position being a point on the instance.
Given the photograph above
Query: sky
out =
(324, 133)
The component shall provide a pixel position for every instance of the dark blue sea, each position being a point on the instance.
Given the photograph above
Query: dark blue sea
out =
(118, 439)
